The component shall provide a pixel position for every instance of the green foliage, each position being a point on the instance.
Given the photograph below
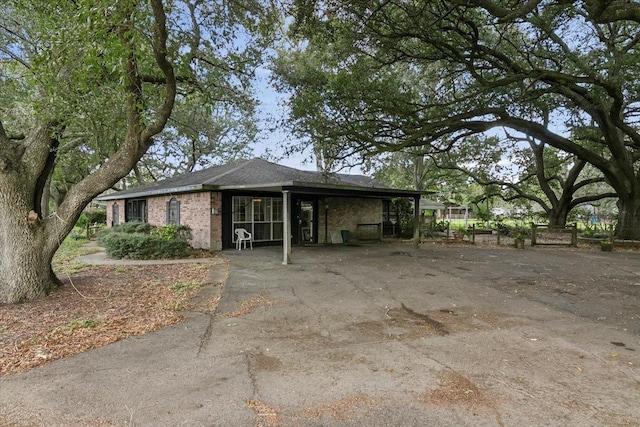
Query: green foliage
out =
(184, 286)
(443, 76)
(405, 215)
(482, 211)
(97, 216)
(594, 232)
(143, 246)
(83, 323)
(462, 230)
(441, 226)
(131, 227)
(172, 232)
(94, 216)
(82, 221)
(77, 235)
(520, 233)
(138, 240)
(71, 248)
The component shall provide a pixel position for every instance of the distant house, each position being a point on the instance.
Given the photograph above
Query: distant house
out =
(276, 204)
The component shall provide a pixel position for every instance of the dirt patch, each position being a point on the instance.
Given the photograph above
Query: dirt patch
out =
(405, 323)
(95, 307)
(265, 415)
(464, 319)
(264, 362)
(402, 323)
(246, 307)
(340, 409)
(455, 389)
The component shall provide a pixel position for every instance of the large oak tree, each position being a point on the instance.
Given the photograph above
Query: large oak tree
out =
(559, 72)
(95, 83)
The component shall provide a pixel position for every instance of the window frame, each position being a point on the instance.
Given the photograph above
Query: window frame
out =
(139, 207)
(115, 214)
(256, 214)
(173, 212)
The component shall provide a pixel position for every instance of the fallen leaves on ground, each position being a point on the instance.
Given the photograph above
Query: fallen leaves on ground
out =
(340, 409)
(456, 389)
(265, 415)
(248, 306)
(93, 308)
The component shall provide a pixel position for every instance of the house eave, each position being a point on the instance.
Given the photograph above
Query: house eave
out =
(335, 189)
(293, 186)
(323, 188)
(154, 192)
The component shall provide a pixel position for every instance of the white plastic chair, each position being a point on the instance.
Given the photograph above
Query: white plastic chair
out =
(242, 237)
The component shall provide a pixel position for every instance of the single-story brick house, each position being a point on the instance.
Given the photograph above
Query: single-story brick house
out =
(277, 204)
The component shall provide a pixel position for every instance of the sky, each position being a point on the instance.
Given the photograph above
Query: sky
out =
(271, 112)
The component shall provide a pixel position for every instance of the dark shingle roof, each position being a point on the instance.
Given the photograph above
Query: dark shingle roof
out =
(255, 173)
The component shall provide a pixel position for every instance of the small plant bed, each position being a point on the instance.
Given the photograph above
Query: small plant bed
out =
(98, 306)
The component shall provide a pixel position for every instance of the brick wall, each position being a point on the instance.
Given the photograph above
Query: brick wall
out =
(195, 211)
(345, 213)
(121, 208)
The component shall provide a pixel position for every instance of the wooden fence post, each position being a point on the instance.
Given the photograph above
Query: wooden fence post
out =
(534, 231)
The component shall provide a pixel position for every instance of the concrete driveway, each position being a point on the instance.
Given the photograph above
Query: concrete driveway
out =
(375, 335)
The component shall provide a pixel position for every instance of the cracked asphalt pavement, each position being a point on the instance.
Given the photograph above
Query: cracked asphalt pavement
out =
(375, 335)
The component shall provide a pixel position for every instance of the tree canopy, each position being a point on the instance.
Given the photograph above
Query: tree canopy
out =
(561, 72)
(87, 88)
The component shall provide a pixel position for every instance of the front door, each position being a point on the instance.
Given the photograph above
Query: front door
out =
(307, 228)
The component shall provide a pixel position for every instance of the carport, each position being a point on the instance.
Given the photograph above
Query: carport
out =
(295, 193)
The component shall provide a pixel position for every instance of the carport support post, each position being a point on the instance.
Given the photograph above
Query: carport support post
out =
(416, 221)
(286, 225)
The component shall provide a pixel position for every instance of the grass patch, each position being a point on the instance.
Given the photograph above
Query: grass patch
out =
(204, 266)
(71, 248)
(184, 286)
(82, 323)
(74, 267)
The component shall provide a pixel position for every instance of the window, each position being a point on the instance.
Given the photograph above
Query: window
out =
(241, 209)
(260, 216)
(115, 214)
(173, 211)
(136, 210)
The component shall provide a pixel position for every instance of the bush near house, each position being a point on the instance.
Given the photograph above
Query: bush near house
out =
(136, 240)
(96, 216)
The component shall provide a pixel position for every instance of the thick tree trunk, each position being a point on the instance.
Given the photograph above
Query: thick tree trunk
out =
(628, 226)
(25, 254)
(557, 217)
(25, 268)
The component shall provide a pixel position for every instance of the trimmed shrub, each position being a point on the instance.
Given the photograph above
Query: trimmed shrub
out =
(143, 246)
(172, 232)
(137, 240)
(133, 227)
